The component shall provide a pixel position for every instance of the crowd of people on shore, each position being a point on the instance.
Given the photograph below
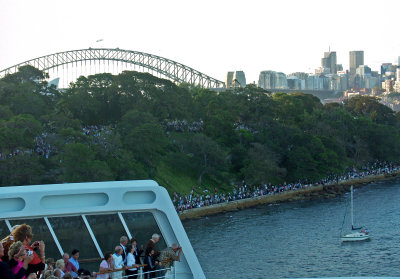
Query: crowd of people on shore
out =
(243, 191)
(20, 258)
(44, 148)
(183, 126)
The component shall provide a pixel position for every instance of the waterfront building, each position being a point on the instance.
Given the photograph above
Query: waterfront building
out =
(266, 79)
(281, 81)
(272, 80)
(294, 83)
(318, 82)
(329, 61)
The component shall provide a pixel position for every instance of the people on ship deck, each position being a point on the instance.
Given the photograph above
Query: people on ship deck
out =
(68, 266)
(131, 262)
(123, 242)
(118, 262)
(24, 234)
(106, 266)
(7, 273)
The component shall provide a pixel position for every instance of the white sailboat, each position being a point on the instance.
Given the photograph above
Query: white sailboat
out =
(356, 236)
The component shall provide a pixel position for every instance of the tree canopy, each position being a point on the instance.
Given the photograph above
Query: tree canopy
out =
(136, 126)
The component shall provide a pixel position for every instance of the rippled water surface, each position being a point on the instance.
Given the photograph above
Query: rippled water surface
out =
(301, 239)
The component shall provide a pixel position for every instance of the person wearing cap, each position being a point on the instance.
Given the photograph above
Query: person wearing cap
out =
(168, 256)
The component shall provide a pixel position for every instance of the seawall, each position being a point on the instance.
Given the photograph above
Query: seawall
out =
(310, 193)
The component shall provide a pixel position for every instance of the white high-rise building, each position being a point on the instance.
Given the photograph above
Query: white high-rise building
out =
(272, 80)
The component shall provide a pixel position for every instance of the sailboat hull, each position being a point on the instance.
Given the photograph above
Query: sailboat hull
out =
(355, 237)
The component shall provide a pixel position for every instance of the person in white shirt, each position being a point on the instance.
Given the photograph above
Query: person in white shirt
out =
(131, 262)
(118, 262)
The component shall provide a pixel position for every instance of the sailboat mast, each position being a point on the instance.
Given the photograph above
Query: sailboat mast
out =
(352, 218)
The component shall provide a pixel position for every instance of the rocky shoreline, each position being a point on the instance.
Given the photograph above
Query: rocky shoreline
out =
(310, 193)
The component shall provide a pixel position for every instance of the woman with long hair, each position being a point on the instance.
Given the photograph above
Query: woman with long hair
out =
(24, 234)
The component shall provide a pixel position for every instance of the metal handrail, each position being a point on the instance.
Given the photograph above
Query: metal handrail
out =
(129, 267)
(140, 273)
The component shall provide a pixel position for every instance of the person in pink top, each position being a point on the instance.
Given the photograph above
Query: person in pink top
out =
(16, 254)
(106, 266)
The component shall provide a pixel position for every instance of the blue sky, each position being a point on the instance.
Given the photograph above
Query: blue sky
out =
(211, 36)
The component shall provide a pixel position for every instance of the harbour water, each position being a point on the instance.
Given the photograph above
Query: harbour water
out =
(302, 239)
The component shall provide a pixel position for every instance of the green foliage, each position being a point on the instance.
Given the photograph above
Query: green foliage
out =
(78, 164)
(246, 134)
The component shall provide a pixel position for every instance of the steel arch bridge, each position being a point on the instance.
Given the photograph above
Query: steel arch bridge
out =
(165, 67)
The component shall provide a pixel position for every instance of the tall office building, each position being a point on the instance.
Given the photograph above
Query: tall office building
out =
(356, 59)
(272, 80)
(239, 79)
(235, 79)
(329, 61)
(228, 79)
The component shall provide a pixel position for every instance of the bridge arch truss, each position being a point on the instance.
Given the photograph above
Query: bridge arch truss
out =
(165, 67)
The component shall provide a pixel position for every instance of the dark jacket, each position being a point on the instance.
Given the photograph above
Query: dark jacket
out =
(6, 272)
(151, 245)
(137, 254)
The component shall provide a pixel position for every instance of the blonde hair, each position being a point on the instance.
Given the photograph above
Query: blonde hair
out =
(14, 249)
(48, 273)
(60, 264)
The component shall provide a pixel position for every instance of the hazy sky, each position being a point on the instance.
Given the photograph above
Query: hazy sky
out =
(210, 36)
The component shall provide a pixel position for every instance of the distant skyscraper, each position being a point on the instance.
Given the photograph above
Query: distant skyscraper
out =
(398, 61)
(266, 79)
(235, 79)
(239, 79)
(356, 59)
(228, 80)
(329, 61)
(272, 80)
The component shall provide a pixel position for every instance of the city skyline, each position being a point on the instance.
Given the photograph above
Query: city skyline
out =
(213, 38)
